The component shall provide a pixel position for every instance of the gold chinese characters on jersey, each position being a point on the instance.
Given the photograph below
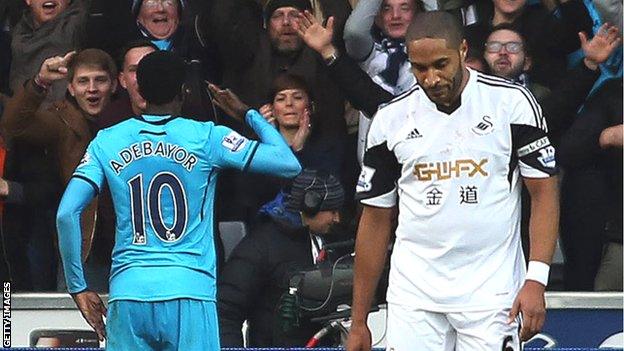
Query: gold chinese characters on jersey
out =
(448, 169)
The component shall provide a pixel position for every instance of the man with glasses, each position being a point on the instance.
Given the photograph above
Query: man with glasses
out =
(508, 55)
(158, 20)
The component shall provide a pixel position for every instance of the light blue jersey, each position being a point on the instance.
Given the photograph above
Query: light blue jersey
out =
(162, 171)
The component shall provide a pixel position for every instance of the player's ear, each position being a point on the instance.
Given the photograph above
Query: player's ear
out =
(113, 85)
(463, 50)
(71, 90)
(185, 91)
(312, 107)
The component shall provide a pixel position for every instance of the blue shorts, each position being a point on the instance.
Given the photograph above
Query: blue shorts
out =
(180, 324)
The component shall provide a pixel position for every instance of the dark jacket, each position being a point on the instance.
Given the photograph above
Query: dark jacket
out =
(31, 46)
(62, 128)
(251, 64)
(591, 190)
(580, 149)
(559, 107)
(252, 281)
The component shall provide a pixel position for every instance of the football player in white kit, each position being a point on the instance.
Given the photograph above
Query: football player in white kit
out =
(449, 156)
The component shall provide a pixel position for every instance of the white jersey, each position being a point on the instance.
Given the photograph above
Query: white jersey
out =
(456, 178)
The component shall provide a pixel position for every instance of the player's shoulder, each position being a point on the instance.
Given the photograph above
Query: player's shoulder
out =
(398, 102)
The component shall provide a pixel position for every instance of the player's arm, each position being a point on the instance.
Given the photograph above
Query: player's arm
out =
(543, 230)
(371, 246)
(544, 221)
(536, 159)
(77, 196)
(377, 190)
(272, 155)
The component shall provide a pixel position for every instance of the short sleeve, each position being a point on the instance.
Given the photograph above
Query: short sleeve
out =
(228, 149)
(90, 168)
(531, 145)
(377, 183)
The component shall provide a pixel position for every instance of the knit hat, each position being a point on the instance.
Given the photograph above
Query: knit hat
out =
(327, 188)
(136, 6)
(273, 5)
(160, 76)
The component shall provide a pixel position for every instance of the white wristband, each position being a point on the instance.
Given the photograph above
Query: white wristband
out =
(538, 271)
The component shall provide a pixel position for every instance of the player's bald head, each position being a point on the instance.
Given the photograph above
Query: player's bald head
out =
(436, 25)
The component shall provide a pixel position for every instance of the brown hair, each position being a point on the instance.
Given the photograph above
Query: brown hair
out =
(93, 58)
(286, 81)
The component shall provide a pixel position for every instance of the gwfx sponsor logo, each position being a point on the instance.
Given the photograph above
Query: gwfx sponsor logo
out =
(449, 169)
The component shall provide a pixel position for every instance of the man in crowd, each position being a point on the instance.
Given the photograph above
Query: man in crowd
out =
(380, 49)
(129, 101)
(114, 23)
(257, 273)
(508, 55)
(151, 164)
(47, 29)
(66, 127)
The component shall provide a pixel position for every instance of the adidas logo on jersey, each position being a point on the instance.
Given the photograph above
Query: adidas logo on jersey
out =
(414, 134)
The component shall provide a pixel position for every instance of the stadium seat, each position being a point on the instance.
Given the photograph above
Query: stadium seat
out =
(231, 234)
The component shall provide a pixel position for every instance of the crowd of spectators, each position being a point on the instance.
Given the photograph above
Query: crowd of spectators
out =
(68, 69)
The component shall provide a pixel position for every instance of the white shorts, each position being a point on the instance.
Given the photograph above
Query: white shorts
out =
(414, 329)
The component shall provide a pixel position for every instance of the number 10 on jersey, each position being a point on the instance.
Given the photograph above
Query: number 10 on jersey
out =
(152, 204)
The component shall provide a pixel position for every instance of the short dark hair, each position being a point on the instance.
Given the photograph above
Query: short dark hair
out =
(93, 58)
(160, 76)
(289, 81)
(436, 25)
(138, 43)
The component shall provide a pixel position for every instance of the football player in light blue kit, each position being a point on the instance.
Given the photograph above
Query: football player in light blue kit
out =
(161, 170)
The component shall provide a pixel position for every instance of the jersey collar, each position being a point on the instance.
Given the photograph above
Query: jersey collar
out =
(156, 119)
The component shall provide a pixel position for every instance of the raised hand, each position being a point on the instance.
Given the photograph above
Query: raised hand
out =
(531, 304)
(599, 48)
(302, 133)
(228, 102)
(313, 33)
(54, 68)
(266, 111)
(92, 309)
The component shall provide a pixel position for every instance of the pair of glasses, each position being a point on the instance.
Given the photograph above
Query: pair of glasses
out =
(154, 3)
(512, 47)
